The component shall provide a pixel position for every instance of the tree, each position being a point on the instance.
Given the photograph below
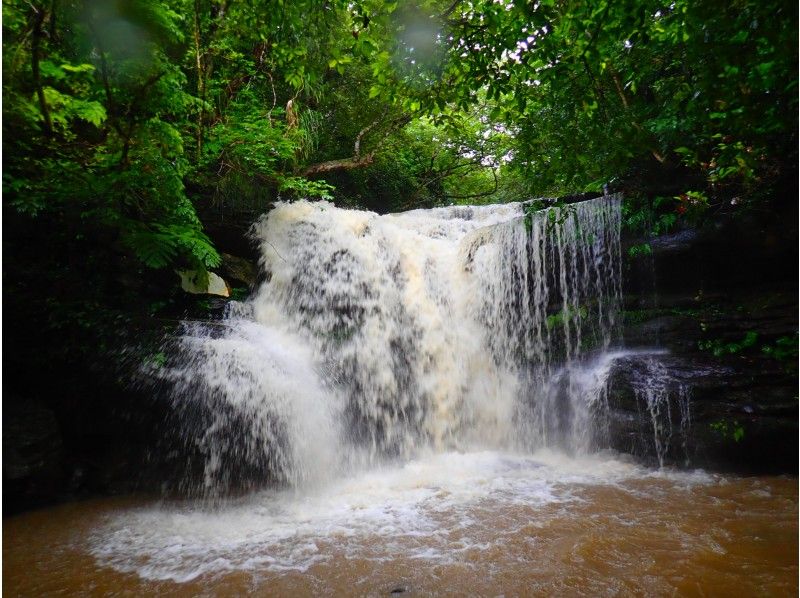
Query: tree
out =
(616, 91)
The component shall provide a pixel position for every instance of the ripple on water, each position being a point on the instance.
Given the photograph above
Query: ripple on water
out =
(472, 523)
(437, 508)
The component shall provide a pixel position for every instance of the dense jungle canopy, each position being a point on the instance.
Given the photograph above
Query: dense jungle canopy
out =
(129, 125)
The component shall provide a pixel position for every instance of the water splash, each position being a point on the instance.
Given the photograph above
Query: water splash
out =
(251, 402)
(374, 337)
(665, 401)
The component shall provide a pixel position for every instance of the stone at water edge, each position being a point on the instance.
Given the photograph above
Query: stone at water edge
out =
(239, 269)
(216, 284)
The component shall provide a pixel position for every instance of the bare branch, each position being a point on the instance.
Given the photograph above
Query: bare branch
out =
(448, 171)
(620, 90)
(344, 164)
(364, 131)
(358, 161)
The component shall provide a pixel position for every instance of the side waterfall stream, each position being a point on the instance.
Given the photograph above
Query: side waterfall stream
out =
(417, 403)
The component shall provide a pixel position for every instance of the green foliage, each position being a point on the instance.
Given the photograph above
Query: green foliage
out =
(155, 360)
(550, 97)
(157, 245)
(239, 293)
(529, 209)
(123, 121)
(297, 186)
(640, 250)
(609, 91)
(112, 155)
(66, 108)
(248, 138)
(558, 319)
(719, 347)
(784, 349)
(728, 430)
(650, 216)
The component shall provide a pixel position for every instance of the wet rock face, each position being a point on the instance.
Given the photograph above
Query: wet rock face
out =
(699, 411)
(239, 270)
(730, 254)
(722, 304)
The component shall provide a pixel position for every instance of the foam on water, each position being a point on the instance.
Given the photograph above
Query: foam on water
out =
(431, 508)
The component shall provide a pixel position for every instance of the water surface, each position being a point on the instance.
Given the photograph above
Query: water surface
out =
(482, 523)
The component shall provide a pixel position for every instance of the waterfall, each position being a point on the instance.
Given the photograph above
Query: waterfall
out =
(653, 390)
(649, 387)
(376, 337)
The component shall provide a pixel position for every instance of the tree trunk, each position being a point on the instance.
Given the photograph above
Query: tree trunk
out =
(201, 86)
(37, 77)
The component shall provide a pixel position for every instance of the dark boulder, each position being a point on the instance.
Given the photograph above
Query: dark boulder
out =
(33, 468)
(239, 269)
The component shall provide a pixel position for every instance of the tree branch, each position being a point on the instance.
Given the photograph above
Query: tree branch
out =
(448, 171)
(482, 194)
(343, 164)
(446, 13)
(201, 92)
(357, 161)
(620, 90)
(361, 133)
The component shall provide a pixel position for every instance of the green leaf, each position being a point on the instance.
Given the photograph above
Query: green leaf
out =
(53, 71)
(91, 112)
(78, 68)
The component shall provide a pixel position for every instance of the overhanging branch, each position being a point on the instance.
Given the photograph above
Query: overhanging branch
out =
(357, 161)
(344, 164)
(482, 193)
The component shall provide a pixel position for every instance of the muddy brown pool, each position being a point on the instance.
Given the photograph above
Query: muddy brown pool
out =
(485, 524)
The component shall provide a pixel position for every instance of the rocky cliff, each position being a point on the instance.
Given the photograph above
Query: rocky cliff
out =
(721, 303)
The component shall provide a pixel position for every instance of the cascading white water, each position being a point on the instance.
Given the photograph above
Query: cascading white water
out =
(658, 393)
(375, 337)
